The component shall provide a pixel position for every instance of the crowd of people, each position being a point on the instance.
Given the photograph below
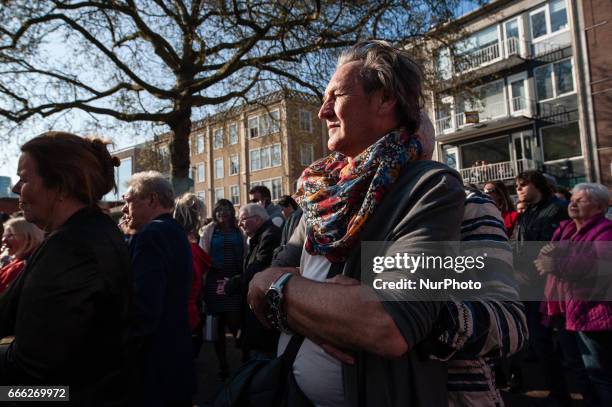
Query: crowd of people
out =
(119, 311)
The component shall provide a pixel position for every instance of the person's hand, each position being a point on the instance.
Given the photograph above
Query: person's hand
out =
(545, 262)
(340, 355)
(256, 297)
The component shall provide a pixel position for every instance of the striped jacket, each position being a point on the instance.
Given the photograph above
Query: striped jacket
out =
(490, 328)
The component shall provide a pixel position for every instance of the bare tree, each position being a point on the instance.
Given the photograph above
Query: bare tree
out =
(157, 60)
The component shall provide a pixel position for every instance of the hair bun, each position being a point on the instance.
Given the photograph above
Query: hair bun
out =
(116, 161)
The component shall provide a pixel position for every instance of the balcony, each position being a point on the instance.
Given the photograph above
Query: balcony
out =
(496, 172)
(484, 56)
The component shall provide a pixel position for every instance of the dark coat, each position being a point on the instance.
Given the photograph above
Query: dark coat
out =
(162, 270)
(68, 311)
(261, 247)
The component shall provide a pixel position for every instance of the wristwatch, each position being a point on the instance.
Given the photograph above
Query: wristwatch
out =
(274, 298)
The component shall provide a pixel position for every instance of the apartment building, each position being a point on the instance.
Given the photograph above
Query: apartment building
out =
(510, 94)
(268, 143)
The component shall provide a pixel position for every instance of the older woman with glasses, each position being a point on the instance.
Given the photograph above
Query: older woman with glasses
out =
(223, 241)
(20, 238)
(571, 268)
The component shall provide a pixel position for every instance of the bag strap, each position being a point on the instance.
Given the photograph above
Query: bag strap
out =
(296, 340)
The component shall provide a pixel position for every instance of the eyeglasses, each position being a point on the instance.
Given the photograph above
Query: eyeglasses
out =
(489, 190)
(242, 220)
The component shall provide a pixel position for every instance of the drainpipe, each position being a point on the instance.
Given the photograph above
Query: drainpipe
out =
(585, 98)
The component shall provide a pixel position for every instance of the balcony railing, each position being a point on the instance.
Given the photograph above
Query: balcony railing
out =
(486, 55)
(443, 124)
(496, 172)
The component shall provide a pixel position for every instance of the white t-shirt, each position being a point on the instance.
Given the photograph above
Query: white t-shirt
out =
(317, 373)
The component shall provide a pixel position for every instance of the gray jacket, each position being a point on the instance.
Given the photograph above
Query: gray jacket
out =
(424, 205)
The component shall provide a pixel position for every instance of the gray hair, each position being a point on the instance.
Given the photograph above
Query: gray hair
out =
(189, 211)
(152, 182)
(254, 209)
(394, 71)
(598, 193)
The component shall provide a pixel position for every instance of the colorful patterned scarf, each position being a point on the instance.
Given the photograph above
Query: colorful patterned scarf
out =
(338, 197)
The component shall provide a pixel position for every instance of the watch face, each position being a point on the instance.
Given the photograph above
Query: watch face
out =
(274, 298)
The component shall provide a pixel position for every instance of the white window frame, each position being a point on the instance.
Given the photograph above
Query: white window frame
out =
(514, 78)
(250, 121)
(221, 174)
(216, 145)
(199, 144)
(554, 80)
(222, 189)
(307, 121)
(310, 148)
(234, 188)
(229, 133)
(232, 157)
(260, 150)
(549, 32)
(201, 172)
(268, 183)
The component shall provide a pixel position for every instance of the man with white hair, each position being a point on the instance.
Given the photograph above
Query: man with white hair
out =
(264, 237)
(162, 275)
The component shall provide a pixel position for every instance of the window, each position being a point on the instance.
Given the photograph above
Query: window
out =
(277, 189)
(199, 144)
(269, 123)
(559, 142)
(558, 15)
(217, 138)
(234, 164)
(233, 133)
(276, 155)
(201, 173)
(548, 19)
(202, 195)
(265, 157)
(443, 63)
(253, 126)
(478, 49)
(306, 154)
(219, 168)
(164, 151)
(492, 150)
(306, 121)
(219, 193)
(235, 194)
(538, 24)
(554, 80)
(274, 185)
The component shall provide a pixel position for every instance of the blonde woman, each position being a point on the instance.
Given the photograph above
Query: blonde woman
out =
(20, 238)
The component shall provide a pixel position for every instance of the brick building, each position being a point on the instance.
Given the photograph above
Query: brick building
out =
(269, 142)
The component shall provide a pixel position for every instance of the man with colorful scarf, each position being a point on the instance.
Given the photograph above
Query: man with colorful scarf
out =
(373, 187)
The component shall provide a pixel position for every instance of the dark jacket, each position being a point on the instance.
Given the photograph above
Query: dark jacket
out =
(288, 227)
(69, 313)
(536, 224)
(162, 269)
(261, 247)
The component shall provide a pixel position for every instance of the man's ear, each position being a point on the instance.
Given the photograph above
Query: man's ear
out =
(387, 105)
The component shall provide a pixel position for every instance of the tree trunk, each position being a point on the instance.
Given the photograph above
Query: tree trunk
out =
(180, 124)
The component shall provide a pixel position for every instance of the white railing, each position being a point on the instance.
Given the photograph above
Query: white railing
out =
(443, 124)
(512, 46)
(496, 172)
